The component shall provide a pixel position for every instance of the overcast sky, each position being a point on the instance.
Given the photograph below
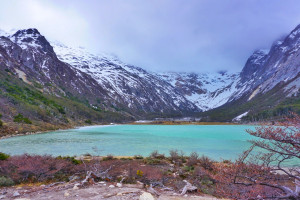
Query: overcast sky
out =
(160, 35)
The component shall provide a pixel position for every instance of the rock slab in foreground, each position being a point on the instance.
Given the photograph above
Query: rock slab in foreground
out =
(146, 196)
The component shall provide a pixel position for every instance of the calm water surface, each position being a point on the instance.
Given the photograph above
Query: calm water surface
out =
(215, 141)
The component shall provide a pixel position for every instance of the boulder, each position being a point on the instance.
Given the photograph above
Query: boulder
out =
(119, 185)
(67, 194)
(16, 194)
(146, 196)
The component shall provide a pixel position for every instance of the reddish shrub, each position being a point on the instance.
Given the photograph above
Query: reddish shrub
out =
(27, 168)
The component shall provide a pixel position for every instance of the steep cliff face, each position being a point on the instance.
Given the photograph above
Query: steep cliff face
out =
(28, 54)
(263, 71)
(268, 79)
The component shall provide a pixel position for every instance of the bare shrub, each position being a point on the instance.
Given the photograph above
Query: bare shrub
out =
(206, 163)
(154, 154)
(193, 159)
(174, 155)
(157, 155)
(275, 145)
(27, 168)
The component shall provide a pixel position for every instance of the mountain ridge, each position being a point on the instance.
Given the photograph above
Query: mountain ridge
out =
(104, 83)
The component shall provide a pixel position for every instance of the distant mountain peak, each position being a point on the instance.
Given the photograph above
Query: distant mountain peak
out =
(30, 31)
(261, 52)
(295, 32)
(31, 38)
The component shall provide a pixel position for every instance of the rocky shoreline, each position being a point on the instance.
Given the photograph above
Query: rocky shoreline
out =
(100, 190)
(22, 134)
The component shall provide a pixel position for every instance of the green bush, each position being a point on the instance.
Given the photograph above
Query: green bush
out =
(188, 168)
(3, 156)
(151, 161)
(6, 181)
(88, 121)
(108, 157)
(137, 157)
(21, 119)
(70, 158)
(126, 158)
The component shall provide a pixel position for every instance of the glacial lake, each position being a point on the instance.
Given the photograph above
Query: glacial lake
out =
(215, 141)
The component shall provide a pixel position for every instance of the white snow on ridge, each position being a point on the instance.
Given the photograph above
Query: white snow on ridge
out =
(119, 79)
(238, 118)
(207, 91)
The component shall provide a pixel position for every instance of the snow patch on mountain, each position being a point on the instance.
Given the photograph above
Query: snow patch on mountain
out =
(239, 118)
(125, 83)
(206, 90)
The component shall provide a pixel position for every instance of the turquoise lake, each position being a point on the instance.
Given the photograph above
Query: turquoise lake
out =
(216, 141)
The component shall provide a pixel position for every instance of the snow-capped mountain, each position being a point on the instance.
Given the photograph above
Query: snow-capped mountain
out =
(101, 81)
(268, 78)
(126, 84)
(30, 55)
(266, 69)
(122, 81)
(206, 90)
(105, 82)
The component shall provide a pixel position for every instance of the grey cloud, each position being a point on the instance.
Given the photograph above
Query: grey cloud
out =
(168, 35)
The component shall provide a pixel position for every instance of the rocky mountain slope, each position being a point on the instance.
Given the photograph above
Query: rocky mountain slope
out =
(266, 69)
(126, 84)
(132, 85)
(37, 83)
(269, 83)
(206, 90)
(106, 84)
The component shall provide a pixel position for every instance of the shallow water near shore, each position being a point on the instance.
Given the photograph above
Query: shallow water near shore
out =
(219, 142)
(216, 141)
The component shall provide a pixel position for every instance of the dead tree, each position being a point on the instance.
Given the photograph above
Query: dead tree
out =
(95, 171)
(265, 163)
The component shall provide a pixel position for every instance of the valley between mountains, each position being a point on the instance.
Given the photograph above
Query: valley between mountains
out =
(46, 85)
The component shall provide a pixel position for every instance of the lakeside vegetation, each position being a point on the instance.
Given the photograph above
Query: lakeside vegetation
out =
(253, 174)
(25, 108)
(28, 107)
(208, 176)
